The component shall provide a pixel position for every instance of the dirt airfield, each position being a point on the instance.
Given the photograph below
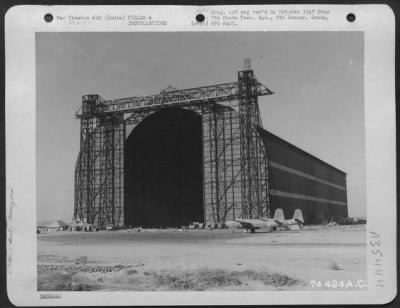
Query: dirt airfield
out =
(314, 258)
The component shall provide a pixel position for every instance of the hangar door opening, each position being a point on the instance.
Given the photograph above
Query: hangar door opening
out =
(164, 170)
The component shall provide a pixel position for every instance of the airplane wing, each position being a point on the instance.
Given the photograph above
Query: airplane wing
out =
(247, 224)
(272, 221)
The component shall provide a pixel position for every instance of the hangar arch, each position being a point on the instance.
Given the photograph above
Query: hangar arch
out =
(163, 175)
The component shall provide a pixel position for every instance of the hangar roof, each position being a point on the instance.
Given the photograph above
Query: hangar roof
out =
(264, 133)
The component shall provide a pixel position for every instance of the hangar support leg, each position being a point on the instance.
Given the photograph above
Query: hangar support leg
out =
(99, 188)
(221, 164)
(254, 173)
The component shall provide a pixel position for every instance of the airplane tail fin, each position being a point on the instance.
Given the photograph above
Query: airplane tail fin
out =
(279, 215)
(298, 216)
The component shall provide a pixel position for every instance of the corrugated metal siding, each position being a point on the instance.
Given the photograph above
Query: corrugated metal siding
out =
(298, 179)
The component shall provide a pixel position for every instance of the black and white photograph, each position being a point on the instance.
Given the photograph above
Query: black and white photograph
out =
(195, 161)
(200, 161)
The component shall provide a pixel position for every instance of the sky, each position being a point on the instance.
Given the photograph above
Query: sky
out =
(317, 78)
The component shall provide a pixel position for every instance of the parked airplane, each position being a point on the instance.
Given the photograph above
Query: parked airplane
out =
(297, 220)
(271, 224)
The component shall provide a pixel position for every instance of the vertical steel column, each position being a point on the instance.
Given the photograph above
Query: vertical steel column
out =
(85, 188)
(252, 153)
(77, 187)
(99, 171)
(221, 163)
(209, 168)
(108, 170)
(118, 173)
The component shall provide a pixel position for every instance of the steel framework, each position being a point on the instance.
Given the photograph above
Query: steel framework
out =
(235, 166)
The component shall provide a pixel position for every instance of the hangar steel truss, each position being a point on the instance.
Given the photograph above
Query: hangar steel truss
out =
(235, 165)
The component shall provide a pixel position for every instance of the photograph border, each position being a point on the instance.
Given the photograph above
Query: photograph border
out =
(380, 131)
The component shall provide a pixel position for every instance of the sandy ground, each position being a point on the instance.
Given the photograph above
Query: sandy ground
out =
(312, 254)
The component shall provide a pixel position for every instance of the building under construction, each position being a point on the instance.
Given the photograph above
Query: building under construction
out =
(197, 154)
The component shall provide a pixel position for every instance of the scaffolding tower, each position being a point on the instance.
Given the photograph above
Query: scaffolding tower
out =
(235, 166)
